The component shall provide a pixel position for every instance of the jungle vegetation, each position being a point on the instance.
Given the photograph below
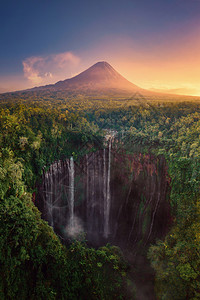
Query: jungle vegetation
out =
(34, 133)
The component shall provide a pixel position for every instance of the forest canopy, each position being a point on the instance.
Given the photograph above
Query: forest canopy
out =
(34, 134)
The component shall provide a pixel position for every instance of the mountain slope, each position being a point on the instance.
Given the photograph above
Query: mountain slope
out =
(99, 77)
(100, 81)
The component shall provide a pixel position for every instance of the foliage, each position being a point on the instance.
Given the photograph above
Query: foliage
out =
(34, 133)
(99, 274)
(33, 262)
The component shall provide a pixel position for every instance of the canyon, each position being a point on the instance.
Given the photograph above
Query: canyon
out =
(108, 196)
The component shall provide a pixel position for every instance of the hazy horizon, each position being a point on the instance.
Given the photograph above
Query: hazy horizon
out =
(152, 44)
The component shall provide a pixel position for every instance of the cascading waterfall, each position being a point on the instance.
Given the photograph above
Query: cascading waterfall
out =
(119, 205)
(87, 184)
(71, 193)
(104, 185)
(117, 197)
(107, 195)
(51, 199)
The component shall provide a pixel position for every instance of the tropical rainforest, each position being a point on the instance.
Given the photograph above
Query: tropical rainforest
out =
(35, 263)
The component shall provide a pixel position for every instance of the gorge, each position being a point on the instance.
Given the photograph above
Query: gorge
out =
(109, 195)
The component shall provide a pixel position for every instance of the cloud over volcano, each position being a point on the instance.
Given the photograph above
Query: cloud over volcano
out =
(44, 69)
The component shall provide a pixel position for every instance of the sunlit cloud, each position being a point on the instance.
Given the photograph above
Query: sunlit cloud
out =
(63, 59)
(47, 69)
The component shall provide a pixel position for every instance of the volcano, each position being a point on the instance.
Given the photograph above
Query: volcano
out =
(99, 81)
(101, 77)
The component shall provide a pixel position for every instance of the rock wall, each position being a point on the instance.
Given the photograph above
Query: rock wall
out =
(109, 195)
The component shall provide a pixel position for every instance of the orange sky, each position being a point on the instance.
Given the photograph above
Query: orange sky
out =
(172, 64)
(168, 63)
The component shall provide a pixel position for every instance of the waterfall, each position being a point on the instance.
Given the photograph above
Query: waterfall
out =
(71, 193)
(51, 199)
(107, 199)
(109, 207)
(49, 196)
(104, 185)
(87, 186)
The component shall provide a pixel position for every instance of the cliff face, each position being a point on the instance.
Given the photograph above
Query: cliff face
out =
(111, 196)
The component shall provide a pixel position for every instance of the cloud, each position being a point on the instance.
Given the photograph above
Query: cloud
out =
(48, 69)
(63, 59)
